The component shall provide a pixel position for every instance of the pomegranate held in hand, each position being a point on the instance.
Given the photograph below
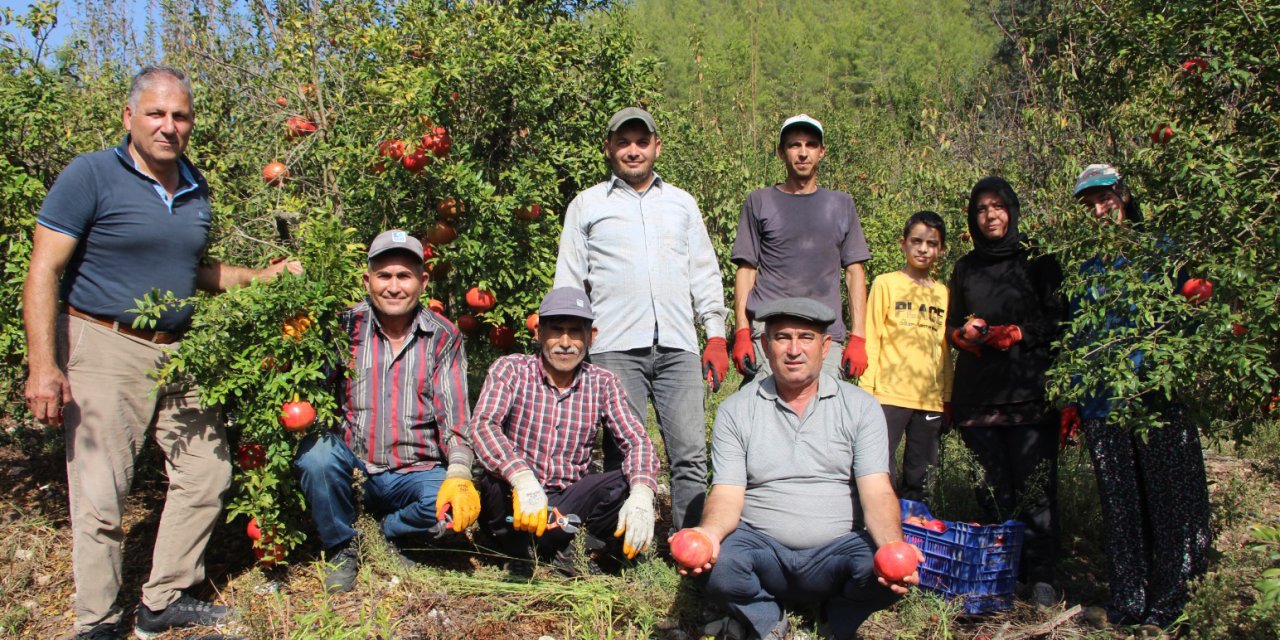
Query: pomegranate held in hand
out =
(896, 560)
(691, 548)
(975, 329)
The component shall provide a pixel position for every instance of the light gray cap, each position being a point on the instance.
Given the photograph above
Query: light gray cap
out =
(1096, 175)
(628, 114)
(394, 240)
(806, 309)
(566, 301)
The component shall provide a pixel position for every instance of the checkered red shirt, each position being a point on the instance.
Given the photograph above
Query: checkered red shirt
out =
(523, 422)
(405, 411)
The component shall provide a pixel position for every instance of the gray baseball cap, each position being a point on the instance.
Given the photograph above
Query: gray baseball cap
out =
(802, 120)
(628, 114)
(394, 240)
(806, 309)
(566, 301)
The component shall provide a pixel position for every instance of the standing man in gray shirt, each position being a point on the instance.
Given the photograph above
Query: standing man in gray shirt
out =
(639, 248)
(788, 452)
(795, 239)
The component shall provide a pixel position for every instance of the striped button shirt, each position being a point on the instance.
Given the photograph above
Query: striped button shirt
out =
(405, 411)
(523, 422)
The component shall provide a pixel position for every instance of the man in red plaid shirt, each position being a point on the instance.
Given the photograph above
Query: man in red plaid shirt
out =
(534, 428)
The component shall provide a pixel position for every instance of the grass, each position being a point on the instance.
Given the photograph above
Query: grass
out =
(27, 569)
(438, 597)
(459, 591)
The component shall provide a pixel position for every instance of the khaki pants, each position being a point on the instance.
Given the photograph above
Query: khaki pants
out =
(115, 403)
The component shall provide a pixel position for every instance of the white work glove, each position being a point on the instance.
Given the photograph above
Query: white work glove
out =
(636, 519)
(529, 503)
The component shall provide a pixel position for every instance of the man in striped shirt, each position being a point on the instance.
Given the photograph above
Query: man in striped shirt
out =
(403, 412)
(534, 428)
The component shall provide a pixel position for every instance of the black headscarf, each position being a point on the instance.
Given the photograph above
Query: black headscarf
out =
(1012, 242)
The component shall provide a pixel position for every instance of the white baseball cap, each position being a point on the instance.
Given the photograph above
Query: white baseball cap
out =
(802, 120)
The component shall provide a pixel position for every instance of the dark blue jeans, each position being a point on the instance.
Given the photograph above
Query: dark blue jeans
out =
(756, 575)
(326, 466)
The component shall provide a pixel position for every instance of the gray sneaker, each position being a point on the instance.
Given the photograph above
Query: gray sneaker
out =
(345, 564)
(726, 628)
(779, 631)
(184, 612)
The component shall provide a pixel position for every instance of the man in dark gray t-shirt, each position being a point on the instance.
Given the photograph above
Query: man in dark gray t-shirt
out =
(794, 239)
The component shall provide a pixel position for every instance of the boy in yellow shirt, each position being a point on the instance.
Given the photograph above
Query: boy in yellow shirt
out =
(909, 361)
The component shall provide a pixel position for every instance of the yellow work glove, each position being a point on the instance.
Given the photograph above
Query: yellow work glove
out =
(636, 519)
(457, 492)
(529, 503)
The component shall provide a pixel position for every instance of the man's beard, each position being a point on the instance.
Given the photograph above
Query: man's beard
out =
(632, 176)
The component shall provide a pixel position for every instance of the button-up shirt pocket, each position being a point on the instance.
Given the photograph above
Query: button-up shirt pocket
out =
(674, 237)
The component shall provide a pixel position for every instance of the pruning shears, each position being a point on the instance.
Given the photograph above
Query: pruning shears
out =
(556, 520)
(445, 526)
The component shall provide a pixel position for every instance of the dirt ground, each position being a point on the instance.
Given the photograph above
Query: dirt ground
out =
(36, 586)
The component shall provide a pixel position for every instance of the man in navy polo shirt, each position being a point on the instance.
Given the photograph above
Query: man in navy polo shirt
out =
(117, 224)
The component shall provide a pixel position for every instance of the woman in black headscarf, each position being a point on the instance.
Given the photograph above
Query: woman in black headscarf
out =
(1004, 313)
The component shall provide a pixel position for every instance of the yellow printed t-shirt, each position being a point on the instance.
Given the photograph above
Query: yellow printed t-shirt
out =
(909, 361)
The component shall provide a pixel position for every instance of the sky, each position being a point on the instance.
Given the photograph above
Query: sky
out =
(67, 14)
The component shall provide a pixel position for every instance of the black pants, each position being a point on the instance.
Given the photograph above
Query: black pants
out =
(1021, 468)
(596, 498)
(1155, 515)
(921, 455)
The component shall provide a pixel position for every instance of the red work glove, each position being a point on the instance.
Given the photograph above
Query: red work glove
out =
(854, 360)
(744, 352)
(961, 342)
(1069, 425)
(1003, 336)
(715, 362)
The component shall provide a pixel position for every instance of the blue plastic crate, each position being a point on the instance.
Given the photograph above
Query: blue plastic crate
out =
(977, 563)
